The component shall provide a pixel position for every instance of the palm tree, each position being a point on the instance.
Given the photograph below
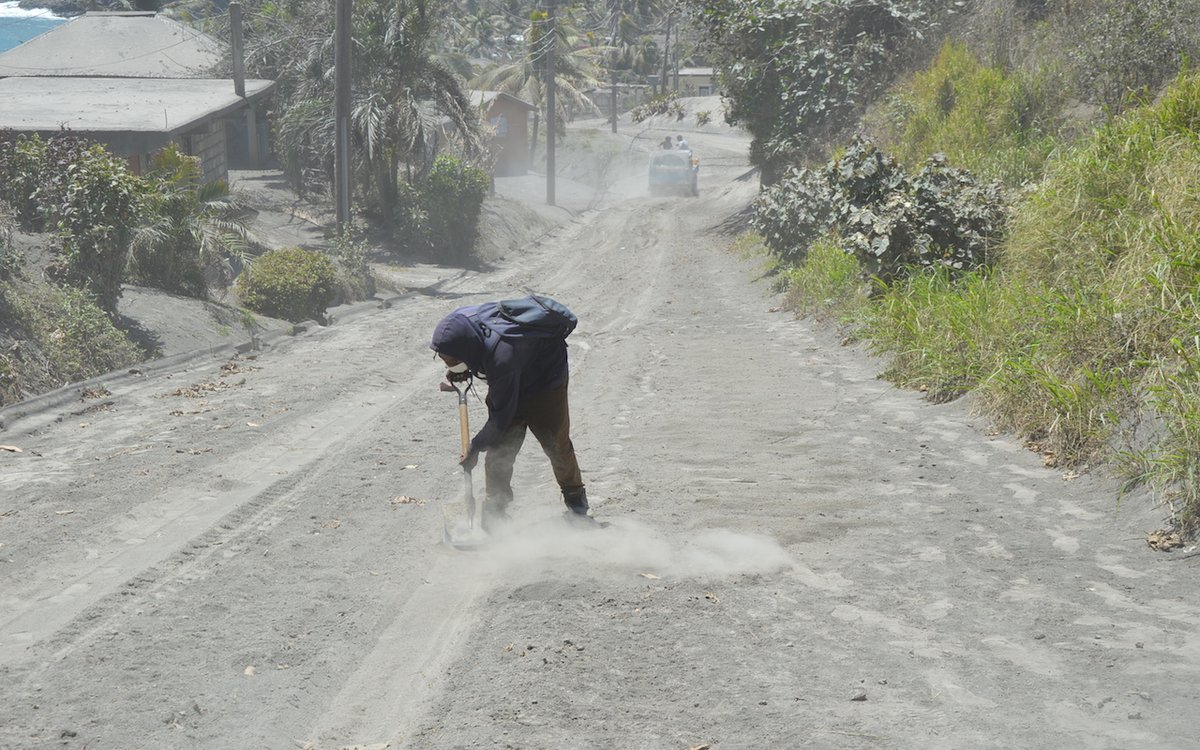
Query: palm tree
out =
(575, 67)
(403, 92)
(193, 233)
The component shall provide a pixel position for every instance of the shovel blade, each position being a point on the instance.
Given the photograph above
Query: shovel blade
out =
(460, 529)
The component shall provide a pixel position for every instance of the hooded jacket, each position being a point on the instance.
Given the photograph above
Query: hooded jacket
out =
(514, 365)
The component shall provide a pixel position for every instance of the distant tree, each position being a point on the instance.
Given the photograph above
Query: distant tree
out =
(404, 94)
(798, 73)
(576, 64)
(191, 229)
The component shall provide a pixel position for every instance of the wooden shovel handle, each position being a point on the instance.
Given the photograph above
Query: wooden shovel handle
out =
(464, 428)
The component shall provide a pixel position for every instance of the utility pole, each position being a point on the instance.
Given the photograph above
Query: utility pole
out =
(237, 51)
(551, 84)
(613, 69)
(666, 54)
(614, 101)
(341, 111)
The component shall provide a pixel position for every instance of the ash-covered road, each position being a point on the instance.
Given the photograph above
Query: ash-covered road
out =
(245, 554)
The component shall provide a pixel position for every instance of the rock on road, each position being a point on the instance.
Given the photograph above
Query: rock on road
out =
(245, 554)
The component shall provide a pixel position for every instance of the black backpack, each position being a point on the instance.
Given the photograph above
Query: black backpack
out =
(534, 316)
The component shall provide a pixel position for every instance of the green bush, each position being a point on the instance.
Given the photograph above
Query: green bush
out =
(100, 207)
(190, 229)
(22, 162)
(410, 222)
(828, 283)
(85, 195)
(289, 283)
(453, 195)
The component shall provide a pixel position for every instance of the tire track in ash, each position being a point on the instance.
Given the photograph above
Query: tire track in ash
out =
(82, 597)
(396, 683)
(146, 591)
(609, 356)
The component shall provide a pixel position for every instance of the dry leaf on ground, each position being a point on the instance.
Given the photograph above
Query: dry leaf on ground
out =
(64, 512)
(10, 449)
(651, 576)
(406, 500)
(1163, 540)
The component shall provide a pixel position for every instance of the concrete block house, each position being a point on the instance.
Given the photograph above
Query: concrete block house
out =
(509, 118)
(135, 81)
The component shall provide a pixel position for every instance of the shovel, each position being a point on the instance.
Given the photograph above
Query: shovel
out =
(457, 532)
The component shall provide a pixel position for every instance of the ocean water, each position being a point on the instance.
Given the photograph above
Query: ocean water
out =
(18, 24)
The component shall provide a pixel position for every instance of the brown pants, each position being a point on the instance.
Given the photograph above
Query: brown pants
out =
(548, 417)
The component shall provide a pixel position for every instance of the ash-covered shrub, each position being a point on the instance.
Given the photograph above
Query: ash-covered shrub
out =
(453, 195)
(794, 213)
(888, 219)
(191, 235)
(796, 75)
(290, 283)
(666, 104)
(54, 336)
(1121, 50)
(941, 216)
(356, 278)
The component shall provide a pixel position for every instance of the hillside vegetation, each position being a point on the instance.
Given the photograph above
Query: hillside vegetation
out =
(1017, 219)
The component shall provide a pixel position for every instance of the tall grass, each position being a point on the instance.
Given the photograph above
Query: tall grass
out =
(827, 285)
(999, 125)
(65, 335)
(1091, 314)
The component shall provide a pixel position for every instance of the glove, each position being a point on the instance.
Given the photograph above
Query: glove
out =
(470, 461)
(458, 377)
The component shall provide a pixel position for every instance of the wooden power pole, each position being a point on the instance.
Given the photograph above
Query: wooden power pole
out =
(551, 90)
(341, 108)
(666, 55)
(613, 70)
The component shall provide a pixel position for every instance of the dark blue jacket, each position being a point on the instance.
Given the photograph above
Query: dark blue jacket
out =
(514, 365)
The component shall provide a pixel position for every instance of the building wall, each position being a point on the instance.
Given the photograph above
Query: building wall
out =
(511, 146)
(208, 143)
(628, 97)
(696, 85)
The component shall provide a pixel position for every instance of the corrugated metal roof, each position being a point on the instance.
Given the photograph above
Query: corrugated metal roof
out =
(135, 44)
(100, 105)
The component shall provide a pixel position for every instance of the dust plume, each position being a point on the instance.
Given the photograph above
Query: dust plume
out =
(628, 545)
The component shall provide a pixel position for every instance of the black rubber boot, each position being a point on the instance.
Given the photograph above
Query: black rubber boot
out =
(576, 501)
(493, 517)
